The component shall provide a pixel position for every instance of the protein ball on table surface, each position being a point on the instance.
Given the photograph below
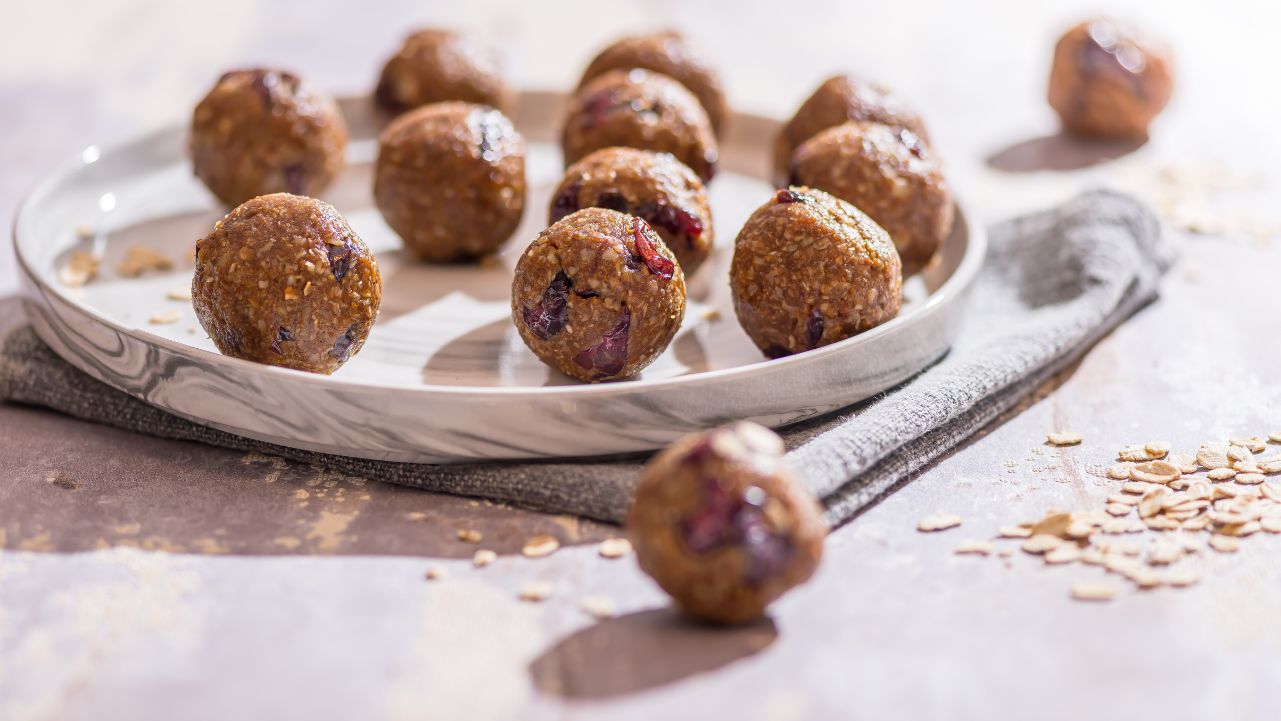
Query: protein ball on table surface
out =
(809, 270)
(840, 99)
(450, 180)
(434, 66)
(284, 280)
(666, 53)
(653, 186)
(265, 131)
(640, 109)
(723, 525)
(598, 296)
(887, 173)
(1107, 82)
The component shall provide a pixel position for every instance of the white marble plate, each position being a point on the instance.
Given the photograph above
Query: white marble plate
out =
(444, 376)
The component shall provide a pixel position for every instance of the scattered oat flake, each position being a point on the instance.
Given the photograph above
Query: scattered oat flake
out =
(139, 260)
(1220, 474)
(1015, 532)
(540, 546)
(598, 606)
(938, 523)
(435, 573)
(1274, 437)
(84, 231)
(536, 591)
(711, 315)
(1065, 553)
(1134, 487)
(165, 317)
(1119, 509)
(1064, 438)
(1093, 591)
(976, 548)
(1271, 524)
(1213, 455)
(81, 268)
(469, 535)
(1120, 471)
(1155, 472)
(614, 547)
(1249, 479)
(1157, 449)
(180, 293)
(1041, 543)
(1182, 577)
(483, 558)
(1224, 544)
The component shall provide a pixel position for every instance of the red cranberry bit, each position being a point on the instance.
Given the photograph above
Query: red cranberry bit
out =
(490, 125)
(566, 201)
(609, 356)
(814, 329)
(549, 315)
(912, 142)
(657, 264)
(283, 335)
(671, 218)
(588, 293)
(597, 107)
(711, 526)
(341, 258)
(728, 520)
(787, 195)
(611, 200)
(344, 346)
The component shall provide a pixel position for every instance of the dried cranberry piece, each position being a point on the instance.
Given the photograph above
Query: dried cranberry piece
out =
(341, 258)
(295, 178)
(343, 347)
(490, 125)
(814, 329)
(566, 201)
(787, 195)
(727, 520)
(269, 83)
(609, 356)
(657, 264)
(597, 106)
(611, 200)
(588, 293)
(549, 315)
(776, 351)
(283, 335)
(711, 526)
(767, 552)
(671, 218)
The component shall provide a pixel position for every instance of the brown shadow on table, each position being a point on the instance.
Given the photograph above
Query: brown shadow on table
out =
(641, 651)
(1060, 151)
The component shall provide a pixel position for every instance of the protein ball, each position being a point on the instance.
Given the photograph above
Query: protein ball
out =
(640, 109)
(653, 186)
(598, 295)
(265, 131)
(283, 280)
(809, 270)
(839, 99)
(887, 173)
(1107, 82)
(434, 66)
(668, 54)
(722, 524)
(450, 180)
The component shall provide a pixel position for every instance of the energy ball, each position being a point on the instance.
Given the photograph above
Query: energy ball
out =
(722, 523)
(653, 186)
(840, 99)
(668, 54)
(640, 109)
(887, 173)
(809, 270)
(450, 180)
(265, 131)
(598, 296)
(438, 65)
(1107, 82)
(284, 280)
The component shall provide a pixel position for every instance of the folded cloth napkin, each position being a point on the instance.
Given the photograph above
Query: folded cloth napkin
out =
(1053, 284)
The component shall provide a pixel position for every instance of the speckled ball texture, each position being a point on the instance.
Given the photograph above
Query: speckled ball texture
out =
(723, 525)
(888, 173)
(437, 65)
(597, 295)
(840, 99)
(669, 54)
(1108, 82)
(640, 109)
(283, 280)
(450, 180)
(810, 270)
(262, 131)
(654, 186)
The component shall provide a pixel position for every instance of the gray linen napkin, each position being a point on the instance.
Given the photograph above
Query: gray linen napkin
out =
(1054, 283)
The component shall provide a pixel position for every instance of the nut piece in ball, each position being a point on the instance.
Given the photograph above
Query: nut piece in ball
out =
(887, 173)
(1107, 82)
(283, 280)
(436, 65)
(598, 295)
(809, 270)
(654, 186)
(264, 131)
(450, 180)
(668, 54)
(640, 109)
(722, 523)
(840, 99)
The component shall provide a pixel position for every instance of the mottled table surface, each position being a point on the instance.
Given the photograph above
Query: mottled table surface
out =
(142, 578)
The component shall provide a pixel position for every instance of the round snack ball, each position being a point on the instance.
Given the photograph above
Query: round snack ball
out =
(438, 65)
(450, 180)
(809, 270)
(598, 295)
(640, 109)
(887, 173)
(1107, 82)
(284, 280)
(265, 131)
(838, 100)
(666, 53)
(654, 186)
(722, 523)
